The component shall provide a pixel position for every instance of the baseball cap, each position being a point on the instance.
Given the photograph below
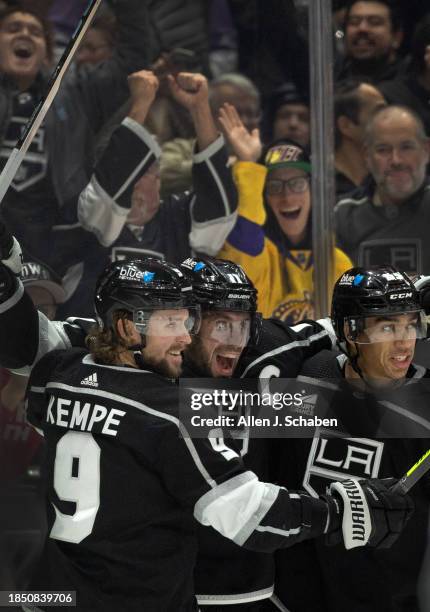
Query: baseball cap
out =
(287, 93)
(40, 275)
(286, 153)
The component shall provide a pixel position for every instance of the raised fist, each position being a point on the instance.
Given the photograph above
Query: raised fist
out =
(143, 86)
(189, 89)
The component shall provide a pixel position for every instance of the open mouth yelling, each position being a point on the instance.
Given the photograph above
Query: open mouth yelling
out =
(23, 49)
(290, 213)
(225, 363)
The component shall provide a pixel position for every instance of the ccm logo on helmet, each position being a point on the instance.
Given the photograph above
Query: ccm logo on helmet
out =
(401, 296)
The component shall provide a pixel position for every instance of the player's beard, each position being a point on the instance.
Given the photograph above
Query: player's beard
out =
(162, 365)
(197, 358)
(166, 369)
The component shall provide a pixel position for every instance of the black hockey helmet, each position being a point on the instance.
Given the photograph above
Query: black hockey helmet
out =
(220, 284)
(141, 286)
(372, 292)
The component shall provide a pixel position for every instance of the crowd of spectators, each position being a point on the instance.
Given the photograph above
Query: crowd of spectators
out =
(183, 127)
(85, 183)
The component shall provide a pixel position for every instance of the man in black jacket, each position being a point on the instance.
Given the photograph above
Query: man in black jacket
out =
(373, 35)
(58, 164)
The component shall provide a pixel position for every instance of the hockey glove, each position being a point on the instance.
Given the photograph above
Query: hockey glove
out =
(372, 514)
(10, 250)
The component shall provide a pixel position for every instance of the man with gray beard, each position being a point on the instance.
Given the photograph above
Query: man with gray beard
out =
(386, 221)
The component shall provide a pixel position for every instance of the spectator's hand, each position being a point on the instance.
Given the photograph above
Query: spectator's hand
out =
(189, 89)
(143, 86)
(246, 145)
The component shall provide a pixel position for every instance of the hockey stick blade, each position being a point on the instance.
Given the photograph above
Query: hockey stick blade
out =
(413, 475)
(39, 113)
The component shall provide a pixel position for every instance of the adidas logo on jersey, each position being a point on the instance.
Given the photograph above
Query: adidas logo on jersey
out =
(90, 381)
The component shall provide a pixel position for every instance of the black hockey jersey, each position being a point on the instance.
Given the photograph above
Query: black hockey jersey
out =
(225, 572)
(321, 578)
(395, 235)
(125, 481)
(197, 221)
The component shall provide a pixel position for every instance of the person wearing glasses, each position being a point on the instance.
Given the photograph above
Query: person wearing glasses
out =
(272, 238)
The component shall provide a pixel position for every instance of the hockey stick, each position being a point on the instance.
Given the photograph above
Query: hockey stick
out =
(278, 603)
(413, 475)
(21, 147)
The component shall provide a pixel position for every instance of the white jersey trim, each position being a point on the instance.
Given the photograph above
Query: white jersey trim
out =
(407, 414)
(52, 336)
(144, 408)
(142, 133)
(88, 360)
(209, 236)
(100, 214)
(214, 147)
(285, 348)
(239, 598)
(14, 299)
(218, 508)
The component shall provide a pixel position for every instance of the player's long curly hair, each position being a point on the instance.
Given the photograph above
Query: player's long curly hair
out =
(104, 344)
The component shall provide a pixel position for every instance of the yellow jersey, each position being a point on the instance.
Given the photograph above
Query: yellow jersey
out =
(284, 281)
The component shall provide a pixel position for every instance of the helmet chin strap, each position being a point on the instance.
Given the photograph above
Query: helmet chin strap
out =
(353, 359)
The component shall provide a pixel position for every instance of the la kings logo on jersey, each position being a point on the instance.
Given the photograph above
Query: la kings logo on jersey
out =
(35, 164)
(335, 458)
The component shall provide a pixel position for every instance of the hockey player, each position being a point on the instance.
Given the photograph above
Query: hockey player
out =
(212, 353)
(123, 484)
(27, 335)
(227, 297)
(213, 282)
(378, 317)
(232, 341)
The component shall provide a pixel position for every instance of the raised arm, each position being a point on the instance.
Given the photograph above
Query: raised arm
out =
(214, 201)
(106, 201)
(26, 334)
